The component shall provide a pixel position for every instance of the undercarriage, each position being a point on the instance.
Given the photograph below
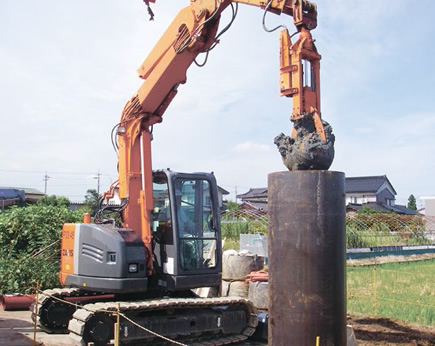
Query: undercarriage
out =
(198, 321)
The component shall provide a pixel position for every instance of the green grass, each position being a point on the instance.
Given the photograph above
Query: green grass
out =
(369, 238)
(404, 291)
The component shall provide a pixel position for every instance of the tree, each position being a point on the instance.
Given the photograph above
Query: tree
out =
(53, 200)
(232, 206)
(91, 204)
(412, 203)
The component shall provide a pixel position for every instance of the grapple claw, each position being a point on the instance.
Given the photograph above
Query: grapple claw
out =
(306, 149)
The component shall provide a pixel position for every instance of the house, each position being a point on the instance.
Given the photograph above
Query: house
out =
(429, 205)
(398, 209)
(254, 195)
(9, 196)
(221, 193)
(33, 195)
(375, 192)
(259, 206)
(254, 200)
(371, 189)
(30, 195)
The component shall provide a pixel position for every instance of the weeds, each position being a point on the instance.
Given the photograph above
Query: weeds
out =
(403, 291)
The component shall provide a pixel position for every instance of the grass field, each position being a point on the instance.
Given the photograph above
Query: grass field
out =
(404, 291)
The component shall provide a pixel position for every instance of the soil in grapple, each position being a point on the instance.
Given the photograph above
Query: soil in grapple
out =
(307, 150)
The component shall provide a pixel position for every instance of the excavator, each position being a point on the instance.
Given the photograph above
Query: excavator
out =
(144, 256)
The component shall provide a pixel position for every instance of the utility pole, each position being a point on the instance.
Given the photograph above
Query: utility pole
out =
(98, 182)
(46, 177)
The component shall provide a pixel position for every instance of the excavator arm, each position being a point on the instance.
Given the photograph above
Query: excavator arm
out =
(193, 31)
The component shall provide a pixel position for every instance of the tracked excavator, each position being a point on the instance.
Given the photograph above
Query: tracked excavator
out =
(143, 256)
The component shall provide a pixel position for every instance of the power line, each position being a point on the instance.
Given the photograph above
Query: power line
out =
(65, 185)
(51, 172)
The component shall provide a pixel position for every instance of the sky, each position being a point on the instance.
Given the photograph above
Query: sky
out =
(68, 68)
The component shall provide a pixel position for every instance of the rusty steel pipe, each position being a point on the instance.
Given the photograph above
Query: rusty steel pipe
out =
(10, 302)
(307, 294)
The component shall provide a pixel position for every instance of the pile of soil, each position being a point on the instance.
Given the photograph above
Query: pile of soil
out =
(371, 331)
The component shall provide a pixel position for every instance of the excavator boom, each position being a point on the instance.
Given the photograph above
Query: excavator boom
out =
(193, 31)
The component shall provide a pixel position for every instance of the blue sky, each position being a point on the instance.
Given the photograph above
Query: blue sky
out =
(68, 68)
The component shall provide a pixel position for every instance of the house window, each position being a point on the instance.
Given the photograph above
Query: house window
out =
(389, 202)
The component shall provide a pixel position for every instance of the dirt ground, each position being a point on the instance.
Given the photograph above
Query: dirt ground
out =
(16, 328)
(371, 331)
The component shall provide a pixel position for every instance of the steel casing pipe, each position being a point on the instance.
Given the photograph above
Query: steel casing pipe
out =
(307, 257)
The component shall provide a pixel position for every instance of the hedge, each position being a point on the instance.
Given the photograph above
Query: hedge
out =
(29, 246)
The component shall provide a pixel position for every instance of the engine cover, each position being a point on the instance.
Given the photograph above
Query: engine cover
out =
(102, 258)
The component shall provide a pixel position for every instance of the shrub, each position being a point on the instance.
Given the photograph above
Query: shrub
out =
(29, 246)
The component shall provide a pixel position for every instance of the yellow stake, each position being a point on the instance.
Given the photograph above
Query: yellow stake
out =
(35, 311)
(317, 340)
(117, 327)
(375, 303)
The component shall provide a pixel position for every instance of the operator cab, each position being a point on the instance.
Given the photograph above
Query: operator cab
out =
(186, 243)
(186, 232)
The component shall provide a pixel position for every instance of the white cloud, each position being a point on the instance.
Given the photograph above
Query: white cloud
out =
(402, 149)
(68, 69)
(252, 148)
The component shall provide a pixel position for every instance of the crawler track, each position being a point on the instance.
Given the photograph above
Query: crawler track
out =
(54, 314)
(94, 322)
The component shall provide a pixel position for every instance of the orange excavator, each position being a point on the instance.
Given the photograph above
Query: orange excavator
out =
(143, 256)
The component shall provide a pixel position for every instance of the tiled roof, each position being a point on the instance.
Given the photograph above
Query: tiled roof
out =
(371, 205)
(366, 184)
(258, 192)
(258, 205)
(352, 184)
(401, 209)
(398, 209)
(223, 191)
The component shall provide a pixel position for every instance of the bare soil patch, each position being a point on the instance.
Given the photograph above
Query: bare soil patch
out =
(371, 331)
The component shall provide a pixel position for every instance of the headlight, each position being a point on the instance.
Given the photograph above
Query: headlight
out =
(133, 268)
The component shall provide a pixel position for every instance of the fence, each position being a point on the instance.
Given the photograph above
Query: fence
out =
(404, 291)
(397, 290)
(362, 230)
(370, 230)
